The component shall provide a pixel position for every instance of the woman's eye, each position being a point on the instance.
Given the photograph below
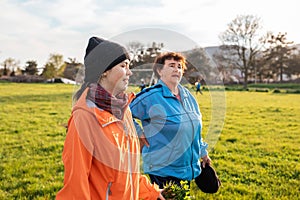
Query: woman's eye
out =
(125, 66)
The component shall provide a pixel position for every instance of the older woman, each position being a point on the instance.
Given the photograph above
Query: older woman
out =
(101, 150)
(171, 125)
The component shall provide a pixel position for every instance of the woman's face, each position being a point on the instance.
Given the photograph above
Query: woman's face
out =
(172, 72)
(117, 78)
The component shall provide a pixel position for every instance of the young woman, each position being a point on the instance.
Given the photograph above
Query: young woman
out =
(101, 150)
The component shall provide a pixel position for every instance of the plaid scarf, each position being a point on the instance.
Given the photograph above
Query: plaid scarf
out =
(116, 105)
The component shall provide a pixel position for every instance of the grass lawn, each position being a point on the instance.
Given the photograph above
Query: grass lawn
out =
(256, 155)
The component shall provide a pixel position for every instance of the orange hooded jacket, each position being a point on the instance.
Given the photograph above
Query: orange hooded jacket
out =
(101, 157)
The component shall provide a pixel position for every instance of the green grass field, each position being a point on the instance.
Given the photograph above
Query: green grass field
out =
(256, 156)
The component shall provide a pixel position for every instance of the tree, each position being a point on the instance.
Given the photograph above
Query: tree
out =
(54, 67)
(31, 67)
(57, 60)
(262, 71)
(137, 51)
(225, 68)
(49, 71)
(241, 43)
(279, 53)
(143, 58)
(294, 65)
(198, 65)
(9, 65)
(143, 54)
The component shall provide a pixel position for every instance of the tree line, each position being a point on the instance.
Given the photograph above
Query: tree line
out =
(245, 53)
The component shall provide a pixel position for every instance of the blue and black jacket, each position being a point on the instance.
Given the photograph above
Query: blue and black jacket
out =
(173, 130)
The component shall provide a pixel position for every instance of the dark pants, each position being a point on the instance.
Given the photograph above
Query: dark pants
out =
(198, 90)
(162, 181)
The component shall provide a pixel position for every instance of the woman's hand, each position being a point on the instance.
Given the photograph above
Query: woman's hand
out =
(160, 195)
(206, 159)
(143, 141)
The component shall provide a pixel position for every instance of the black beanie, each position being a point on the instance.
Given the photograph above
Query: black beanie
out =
(102, 55)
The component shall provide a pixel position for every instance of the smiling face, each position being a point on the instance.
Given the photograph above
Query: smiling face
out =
(116, 79)
(172, 72)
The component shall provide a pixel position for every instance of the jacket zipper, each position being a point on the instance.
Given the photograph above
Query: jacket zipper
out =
(192, 138)
(129, 161)
(108, 191)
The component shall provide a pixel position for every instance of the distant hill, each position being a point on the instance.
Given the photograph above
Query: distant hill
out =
(297, 46)
(211, 50)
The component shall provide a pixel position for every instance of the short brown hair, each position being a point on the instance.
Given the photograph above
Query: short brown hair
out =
(160, 61)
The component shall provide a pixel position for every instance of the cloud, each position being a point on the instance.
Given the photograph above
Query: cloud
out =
(32, 29)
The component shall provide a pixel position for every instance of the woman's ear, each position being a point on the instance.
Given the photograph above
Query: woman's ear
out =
(103, 75)
(159, 72)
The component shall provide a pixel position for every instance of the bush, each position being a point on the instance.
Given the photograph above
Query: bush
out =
(276, 91)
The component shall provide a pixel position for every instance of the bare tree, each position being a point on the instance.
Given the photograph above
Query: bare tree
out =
(199, 66)
(241, 43)
(72, 60)
(10, 65)
(143, 58)
(142, 54)
(136, 50)
(57, 60)
(224, 66)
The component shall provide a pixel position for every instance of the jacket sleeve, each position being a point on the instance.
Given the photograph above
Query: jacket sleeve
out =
(77, 162)
(203, 146)
(138, 112)
(147, 190)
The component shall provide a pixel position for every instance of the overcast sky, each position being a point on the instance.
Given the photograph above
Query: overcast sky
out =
(33, 29)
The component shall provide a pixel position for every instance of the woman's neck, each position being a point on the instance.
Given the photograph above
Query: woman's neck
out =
(173, 87)
(108, 88)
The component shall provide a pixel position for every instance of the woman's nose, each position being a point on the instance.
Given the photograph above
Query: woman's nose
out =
(176, 69)
(129, 72)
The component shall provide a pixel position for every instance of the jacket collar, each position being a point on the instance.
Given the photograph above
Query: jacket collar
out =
(167, 92)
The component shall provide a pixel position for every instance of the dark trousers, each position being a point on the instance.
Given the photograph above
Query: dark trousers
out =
(162, 181)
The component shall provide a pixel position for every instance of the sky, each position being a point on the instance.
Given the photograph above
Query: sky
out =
(34, 29)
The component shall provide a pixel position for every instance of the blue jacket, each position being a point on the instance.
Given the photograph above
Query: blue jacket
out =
(173, 130)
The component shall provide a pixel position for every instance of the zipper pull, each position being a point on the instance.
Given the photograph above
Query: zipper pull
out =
(108, 189)
(125, 129)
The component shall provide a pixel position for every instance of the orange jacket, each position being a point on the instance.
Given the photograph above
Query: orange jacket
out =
(101, 157)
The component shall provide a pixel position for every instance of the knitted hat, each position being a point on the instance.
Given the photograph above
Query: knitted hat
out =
(208, 180)
(102, 55)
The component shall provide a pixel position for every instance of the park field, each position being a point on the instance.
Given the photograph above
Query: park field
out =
(256, 154)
